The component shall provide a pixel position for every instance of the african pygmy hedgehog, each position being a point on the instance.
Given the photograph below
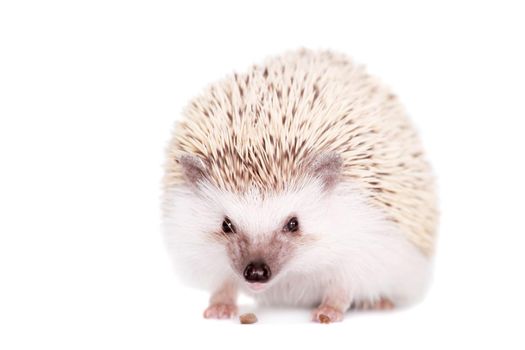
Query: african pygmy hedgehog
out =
(300, 182)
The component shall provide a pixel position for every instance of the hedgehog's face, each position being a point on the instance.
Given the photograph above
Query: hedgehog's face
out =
(263, 235)
(259, 256)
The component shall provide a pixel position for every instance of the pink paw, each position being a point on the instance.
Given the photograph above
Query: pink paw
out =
(327, 314)
(220, 311)
(381, 304)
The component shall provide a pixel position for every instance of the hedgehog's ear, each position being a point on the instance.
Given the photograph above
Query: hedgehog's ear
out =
(193, 168)
(327, 167)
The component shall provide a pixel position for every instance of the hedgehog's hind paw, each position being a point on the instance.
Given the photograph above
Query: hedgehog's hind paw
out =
(380, 304)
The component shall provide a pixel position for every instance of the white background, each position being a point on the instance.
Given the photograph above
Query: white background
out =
(89, 91)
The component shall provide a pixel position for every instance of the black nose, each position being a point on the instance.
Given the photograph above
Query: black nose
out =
(257, 272)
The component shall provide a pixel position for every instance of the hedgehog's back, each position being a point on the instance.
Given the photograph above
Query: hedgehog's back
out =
(263, 127)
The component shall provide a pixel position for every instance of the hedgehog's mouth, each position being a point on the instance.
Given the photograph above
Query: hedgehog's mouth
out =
(257, 287)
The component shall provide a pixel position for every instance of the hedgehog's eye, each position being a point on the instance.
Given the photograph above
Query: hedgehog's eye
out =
(292, 225)
(227, 226)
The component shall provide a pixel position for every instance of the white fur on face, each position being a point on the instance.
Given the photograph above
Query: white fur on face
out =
(192, 218)
(351, 246)
(259, 216)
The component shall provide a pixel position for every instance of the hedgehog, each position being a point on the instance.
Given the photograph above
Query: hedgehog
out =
(301, 182)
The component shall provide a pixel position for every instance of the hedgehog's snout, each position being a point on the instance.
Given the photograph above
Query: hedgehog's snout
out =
(257, 272)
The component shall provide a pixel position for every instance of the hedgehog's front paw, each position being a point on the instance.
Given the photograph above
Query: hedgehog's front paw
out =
(220, 311)
(327, 314)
